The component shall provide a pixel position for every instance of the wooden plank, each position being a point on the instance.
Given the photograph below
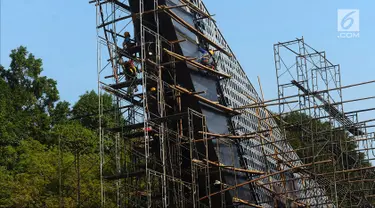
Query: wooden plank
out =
(213, 138)
(250, 135)
(126, 84)
(233, 168)
(177, 41)
(238, 200)
(198, 10)
(207, 101)
(195, 31)
(204, 163)
(196, 64)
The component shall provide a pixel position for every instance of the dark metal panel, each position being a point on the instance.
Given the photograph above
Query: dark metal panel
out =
(189, 48)
(216, 122)
(228, 154)
(205, 84)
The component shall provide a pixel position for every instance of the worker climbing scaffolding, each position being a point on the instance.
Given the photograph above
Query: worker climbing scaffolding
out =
(128, 42)
(131, 47)
(130, 71)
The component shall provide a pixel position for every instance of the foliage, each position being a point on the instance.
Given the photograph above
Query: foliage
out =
(61, 113)
(48, 151)
(76, 138)
(27, 100)
(86, 110)
(28, 175)
(316, 141)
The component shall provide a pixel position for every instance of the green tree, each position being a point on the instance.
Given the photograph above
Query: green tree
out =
(29, 98)
(61, 113)
(82, 143)
(32, 179)
(87, 112)
(315, 141)
(48, 152)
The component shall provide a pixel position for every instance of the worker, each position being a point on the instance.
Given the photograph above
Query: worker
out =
(206, 58)
(130, 72)
(128, 42)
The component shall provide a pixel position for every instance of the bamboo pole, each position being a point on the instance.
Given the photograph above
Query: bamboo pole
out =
(271, 132)
(217, 164)
(347, 171)
(195, 31)
(207, 101)
(233, 168)
(264, 177)
(322, 91)
(213, 138)
(194, 63)
(250, 135)
(196, 9)
(238, 200)
(323, 105)
(258, 105)
(135, 15)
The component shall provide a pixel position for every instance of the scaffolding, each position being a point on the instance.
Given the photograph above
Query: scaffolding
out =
(319, 128)
(151, 156)
(160, 152)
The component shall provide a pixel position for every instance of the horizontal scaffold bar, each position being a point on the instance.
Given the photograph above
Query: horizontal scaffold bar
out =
(196, 64)
(169, 118)
(238, 200)
(319, 92)
(135, 15)
(233, 168)
(122, 95)
(127, 83)
(245, 136)
(207, 101)
(197, 10)
(265, 176)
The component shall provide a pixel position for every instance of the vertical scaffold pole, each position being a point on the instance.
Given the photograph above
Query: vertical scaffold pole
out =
(99, 68)
(145, 104)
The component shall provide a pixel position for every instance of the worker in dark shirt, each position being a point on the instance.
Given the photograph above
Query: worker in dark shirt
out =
(206, 58)
(128, 42)
(130, 71)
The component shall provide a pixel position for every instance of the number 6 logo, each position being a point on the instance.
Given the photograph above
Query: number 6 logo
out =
(348, 20)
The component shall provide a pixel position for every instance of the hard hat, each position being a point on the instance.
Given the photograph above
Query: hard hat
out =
(127, 34)
(211, 52)
(153, 89)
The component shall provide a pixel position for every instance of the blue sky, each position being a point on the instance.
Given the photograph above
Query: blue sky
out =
(63, 34)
